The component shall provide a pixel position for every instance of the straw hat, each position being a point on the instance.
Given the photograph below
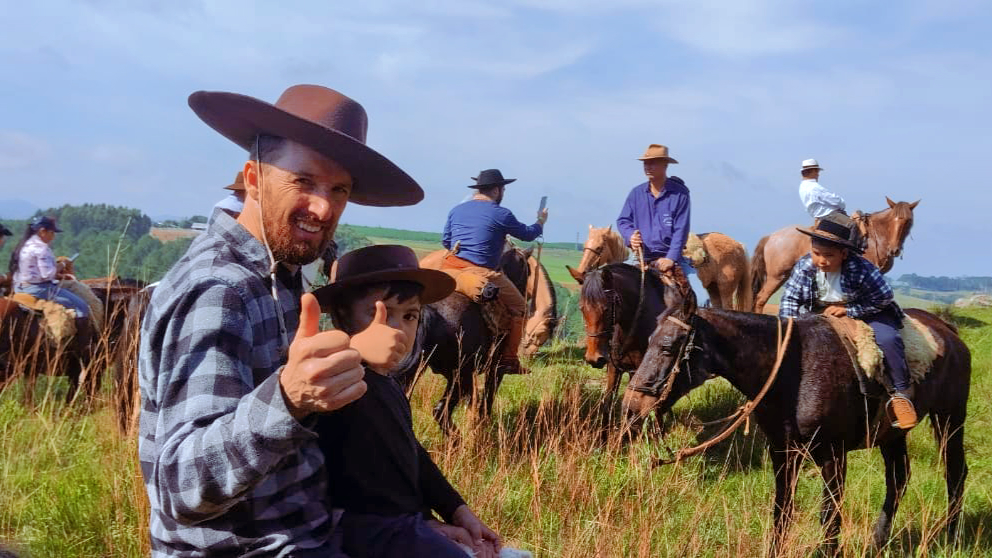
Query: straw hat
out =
(656, 151)
(810, 164)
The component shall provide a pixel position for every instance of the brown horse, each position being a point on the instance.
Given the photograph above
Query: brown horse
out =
(542, 308)
(815, 406)
(454, 340)
(604, 246)
(616, 331)
(125, 358)
(722, 266)
(28, 351)
(776, 254)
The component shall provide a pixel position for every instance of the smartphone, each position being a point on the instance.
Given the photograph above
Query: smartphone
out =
(544, 203)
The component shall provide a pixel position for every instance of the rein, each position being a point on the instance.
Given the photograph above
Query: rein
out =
(744, 412)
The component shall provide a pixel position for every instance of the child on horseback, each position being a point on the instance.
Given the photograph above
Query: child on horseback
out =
(833, 279)
(381, 476)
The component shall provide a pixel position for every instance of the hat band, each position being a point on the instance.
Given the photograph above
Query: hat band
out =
(840, 231)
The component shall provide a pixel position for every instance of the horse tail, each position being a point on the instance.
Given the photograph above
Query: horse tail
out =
(759, 274)
(744, 298)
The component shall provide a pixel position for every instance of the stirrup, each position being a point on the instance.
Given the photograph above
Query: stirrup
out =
(903, 410)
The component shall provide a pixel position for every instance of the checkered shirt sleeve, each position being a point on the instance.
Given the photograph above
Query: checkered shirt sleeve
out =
(797, 295)
(226, 467)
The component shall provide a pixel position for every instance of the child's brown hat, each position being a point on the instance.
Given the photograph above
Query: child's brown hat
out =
(835, 228)
(384, 262)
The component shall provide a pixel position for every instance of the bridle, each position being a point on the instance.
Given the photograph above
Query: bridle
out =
(655, 389)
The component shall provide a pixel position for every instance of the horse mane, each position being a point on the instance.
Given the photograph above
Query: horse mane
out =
(549, 285)
(593, 292)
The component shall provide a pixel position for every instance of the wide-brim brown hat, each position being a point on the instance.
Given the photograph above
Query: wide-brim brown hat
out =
(384, 262)
(657, 151)
(835, 229)
(239, 183)
(321, 119)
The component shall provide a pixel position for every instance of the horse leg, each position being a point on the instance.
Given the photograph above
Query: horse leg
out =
(834, 472)
(786, 463)
(494, 377)
(766, 292)
(445, 406)
(609, 396)
(896, 476)
(716, 296)
(949, 432)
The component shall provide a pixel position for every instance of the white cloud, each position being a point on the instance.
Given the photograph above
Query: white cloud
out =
(21, 151)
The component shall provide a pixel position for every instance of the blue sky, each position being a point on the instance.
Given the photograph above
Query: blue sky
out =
(891, 97)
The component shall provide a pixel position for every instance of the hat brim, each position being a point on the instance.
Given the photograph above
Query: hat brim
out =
(236, 187)
(437, 284)
(240, 118)
(829, 238)
(491, 184)
(669, 159)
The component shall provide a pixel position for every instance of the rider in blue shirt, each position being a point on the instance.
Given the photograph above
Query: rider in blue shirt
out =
(655, 216)
(478, 227)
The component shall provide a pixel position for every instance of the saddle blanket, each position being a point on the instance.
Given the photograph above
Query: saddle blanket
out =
(922, 346)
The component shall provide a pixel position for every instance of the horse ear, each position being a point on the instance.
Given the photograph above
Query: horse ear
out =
(891, 203)
(609, 228)
(916, 203)
(579, 277)
(590, 226)
(527, 253)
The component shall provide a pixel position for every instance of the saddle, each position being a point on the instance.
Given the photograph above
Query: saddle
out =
(477, 287)
(60, 322)
(922, 349)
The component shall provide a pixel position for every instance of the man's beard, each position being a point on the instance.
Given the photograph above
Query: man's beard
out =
(286, 249)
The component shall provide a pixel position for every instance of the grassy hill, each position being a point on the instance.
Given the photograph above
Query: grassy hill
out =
(539, 472)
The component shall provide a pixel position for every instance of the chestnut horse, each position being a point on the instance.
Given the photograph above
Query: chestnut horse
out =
(604, 246)
(722, 266)
(542, 308)
(776, 254)
(815, 406)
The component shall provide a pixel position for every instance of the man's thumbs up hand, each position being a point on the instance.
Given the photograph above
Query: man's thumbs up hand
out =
(322, 373)
(382, 347)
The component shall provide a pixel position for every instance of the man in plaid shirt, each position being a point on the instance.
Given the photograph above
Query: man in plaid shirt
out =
(833, 279)
(228, 392)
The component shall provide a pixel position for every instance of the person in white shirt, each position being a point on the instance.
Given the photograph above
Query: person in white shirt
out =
(818, 201)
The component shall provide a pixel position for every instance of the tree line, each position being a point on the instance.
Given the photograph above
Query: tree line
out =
(943, 283)
(113, 240)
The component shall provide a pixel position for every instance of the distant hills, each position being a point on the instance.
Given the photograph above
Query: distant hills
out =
(17, 209)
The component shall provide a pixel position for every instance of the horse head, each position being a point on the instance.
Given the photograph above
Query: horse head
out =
(891, 227)
(514, 264)
(669, 349)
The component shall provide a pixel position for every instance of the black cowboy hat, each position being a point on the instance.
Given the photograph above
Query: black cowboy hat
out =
(321, 119)
(384, 262)
(490, 177)
(835, 228)
(4, 231)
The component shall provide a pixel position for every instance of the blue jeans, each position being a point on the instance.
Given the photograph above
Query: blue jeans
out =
(51, 291)
(886, 325)
(402, 536)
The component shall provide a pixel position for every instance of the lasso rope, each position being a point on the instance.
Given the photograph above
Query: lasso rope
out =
(744, 412)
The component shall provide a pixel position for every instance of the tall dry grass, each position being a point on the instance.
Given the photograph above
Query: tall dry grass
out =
(539, 471)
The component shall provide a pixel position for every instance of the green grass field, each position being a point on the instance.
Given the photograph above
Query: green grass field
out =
(538, 472)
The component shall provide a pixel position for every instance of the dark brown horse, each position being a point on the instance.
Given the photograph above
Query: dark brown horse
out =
(815, 406)
(776, 254)
(616, 333)
(125, 358)
(455, 342)
(27, 351)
